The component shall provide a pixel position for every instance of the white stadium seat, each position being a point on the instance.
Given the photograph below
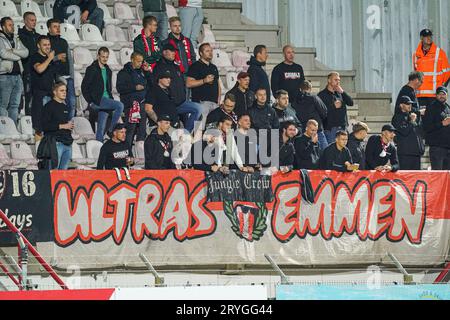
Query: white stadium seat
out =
(107, 15)
(133, 31)
(79, 159)
(139, 11)
(113, 62)
(139, 155)
(222, 60)
(70, 34)
(78, 79)
(82, 58)
(231, 79)
(26, 128)
(82, 127)
(114, 81)
(29, 5)
(125, 55)
(8, 131)
(5, 161)
(206, 35)
(93, 150)
(8, 9)
(116, 34)
(48, 8)
(18, 25)
(90, 33)
(240, 58)
(20, 150)
(41, 28)
(123, 11)
(171, 11)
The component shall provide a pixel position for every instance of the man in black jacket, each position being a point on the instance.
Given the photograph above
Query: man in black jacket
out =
(226, 109)
(288, 75)
(307, 151)
(158, 147)
(284, 110)
(311, 107)
(286, 154)
(380, 151)
(436, 123)
(415, 81)
(336, 101)
(258, 76)
(356, 144)
(115, 153)
(244, 96)
(63, 61)
(337, 157)
(29, 38)
(132, 86)
(189, 112)
(90, 12)
(56, 122)
(262, 114)
(96, 88)
(410, 146)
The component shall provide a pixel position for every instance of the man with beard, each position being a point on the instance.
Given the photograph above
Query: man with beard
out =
(284, 110)
(116, 153)
(227, 109)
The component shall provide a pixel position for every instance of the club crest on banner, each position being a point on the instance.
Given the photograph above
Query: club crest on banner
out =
(248, 219)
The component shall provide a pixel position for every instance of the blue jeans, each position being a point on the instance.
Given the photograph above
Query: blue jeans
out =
(195, 112)
(71, 99)
(323, 143)
(163, 24)
(107, 104)
(191, 22)
(11, 89)
(331, 134)
(64, 155)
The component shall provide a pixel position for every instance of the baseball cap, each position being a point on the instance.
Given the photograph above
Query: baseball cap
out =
(243, 75)
(165, 74)
(389, 127)
(163, 117)
(426, 33)
(441, 90)
(406, 100)
(169, 46)
(119, 126)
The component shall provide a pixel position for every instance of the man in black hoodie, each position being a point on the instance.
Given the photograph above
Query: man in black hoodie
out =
(258, 76)
(96, 88)
(158, 146)
(415, 81)
(132, 86)
(381, 153)
(189, 112)
(356, 144)
(336, 101)
(311, 107)
(284, 110)
(262, 114)
(244, 96)
(436, 123)
(29, 38)
(63, 61)
(410, 145)
(307, 151)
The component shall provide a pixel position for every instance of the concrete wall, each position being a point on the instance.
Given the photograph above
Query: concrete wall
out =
(259, 11)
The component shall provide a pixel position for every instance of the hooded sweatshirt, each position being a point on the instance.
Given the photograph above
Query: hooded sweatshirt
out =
(258, 76)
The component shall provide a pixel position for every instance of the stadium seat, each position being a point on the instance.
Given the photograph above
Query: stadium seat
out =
(116, 34)
(206, 35)
(93, 150)
(6, 162)
(78, 79)
(48, 8)
(125, 55)
(114, 81)
(231, 79)
(70, 34)
(107, 15)
(8, 9)
(139, 154)
(8, 131)
(133, 31)
(113, 62)
(21, 151)
(171, 11)
(123, 11)
(41, 28)
(240, 58)
(82, 127)
(29, 5)
(79, 159)
(18, 25)
(82, 58)
(139, 11)
(222, 60)
(90, 33)
(26, 128)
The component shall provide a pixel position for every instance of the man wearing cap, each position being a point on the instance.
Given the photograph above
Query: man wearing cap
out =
(436, 123)
(244, 96)
(433, 62)
(191, 110)
(116, 153)
(381, 153)
(158, 146)
(159, 100)
(410, 146)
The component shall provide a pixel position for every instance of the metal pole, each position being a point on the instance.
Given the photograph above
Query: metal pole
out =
(33, 251)
(443, 274)
(3, 287)
(407, 278)
(284, 278)
(23, 261)
(13, 279)
(159, 281)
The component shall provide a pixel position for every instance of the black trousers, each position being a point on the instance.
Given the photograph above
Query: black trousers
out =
(27, 94)
(136, 129)
(411, 163)
(440, 158)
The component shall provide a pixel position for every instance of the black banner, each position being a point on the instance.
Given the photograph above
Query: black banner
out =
(25, 197)
(239, 186)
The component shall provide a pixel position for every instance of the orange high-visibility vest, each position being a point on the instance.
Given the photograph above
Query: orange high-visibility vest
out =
(435, 68)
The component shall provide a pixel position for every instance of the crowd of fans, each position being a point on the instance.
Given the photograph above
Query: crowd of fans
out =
(166, 87)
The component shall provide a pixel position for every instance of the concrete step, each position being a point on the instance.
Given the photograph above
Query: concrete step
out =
(231, 40)
(222, 13)
(254, 34)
